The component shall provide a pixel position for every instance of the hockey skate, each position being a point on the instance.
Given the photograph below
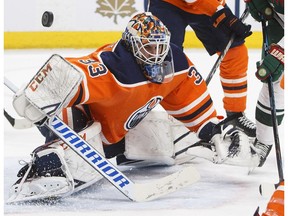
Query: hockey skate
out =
(241, 123)
(45, 176)
(262, 150)
(50, 176)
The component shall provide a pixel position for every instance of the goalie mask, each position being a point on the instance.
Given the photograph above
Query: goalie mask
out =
(149, 41)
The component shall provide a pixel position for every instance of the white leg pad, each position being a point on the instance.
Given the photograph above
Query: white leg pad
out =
(78, 167)
(152, 139)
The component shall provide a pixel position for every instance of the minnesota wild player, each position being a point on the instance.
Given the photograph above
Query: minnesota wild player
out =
(272, 63)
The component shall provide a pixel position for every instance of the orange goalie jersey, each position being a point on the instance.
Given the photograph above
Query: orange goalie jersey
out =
(119, 95)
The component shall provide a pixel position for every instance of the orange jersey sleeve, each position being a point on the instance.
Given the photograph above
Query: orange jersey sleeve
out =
(120, 104)
(207, 7)
(191, 103)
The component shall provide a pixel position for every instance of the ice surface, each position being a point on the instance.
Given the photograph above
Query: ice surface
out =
(222, 190)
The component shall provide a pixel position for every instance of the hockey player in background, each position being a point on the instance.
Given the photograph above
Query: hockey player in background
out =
(272, 63)
(121, 83)
(213, 23)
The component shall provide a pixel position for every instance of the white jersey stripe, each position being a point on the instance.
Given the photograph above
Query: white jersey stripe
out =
(201, 118)
(190, 106)
(230, 81)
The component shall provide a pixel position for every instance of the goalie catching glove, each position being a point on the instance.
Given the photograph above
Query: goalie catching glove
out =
(226, 21)
(272, 64)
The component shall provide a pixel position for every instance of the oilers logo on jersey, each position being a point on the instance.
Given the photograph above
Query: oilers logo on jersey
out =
(140, 114)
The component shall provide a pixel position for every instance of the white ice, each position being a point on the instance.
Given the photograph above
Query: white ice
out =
(222, 190)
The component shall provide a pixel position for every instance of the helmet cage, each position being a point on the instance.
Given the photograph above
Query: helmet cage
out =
(152, 50)
(149, 41)
(160, 73)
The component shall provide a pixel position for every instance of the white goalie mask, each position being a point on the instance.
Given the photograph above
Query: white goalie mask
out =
(149, 41)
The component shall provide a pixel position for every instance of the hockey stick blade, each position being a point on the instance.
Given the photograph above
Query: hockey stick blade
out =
(18, 123)
(157, 188)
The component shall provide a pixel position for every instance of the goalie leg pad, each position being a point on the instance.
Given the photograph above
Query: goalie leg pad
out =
(82, 172)
(151, 140)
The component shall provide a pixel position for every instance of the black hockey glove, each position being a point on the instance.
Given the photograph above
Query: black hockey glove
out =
(225, 20)
(273, 64)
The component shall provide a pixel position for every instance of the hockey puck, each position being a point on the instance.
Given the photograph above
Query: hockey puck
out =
(47, 18)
